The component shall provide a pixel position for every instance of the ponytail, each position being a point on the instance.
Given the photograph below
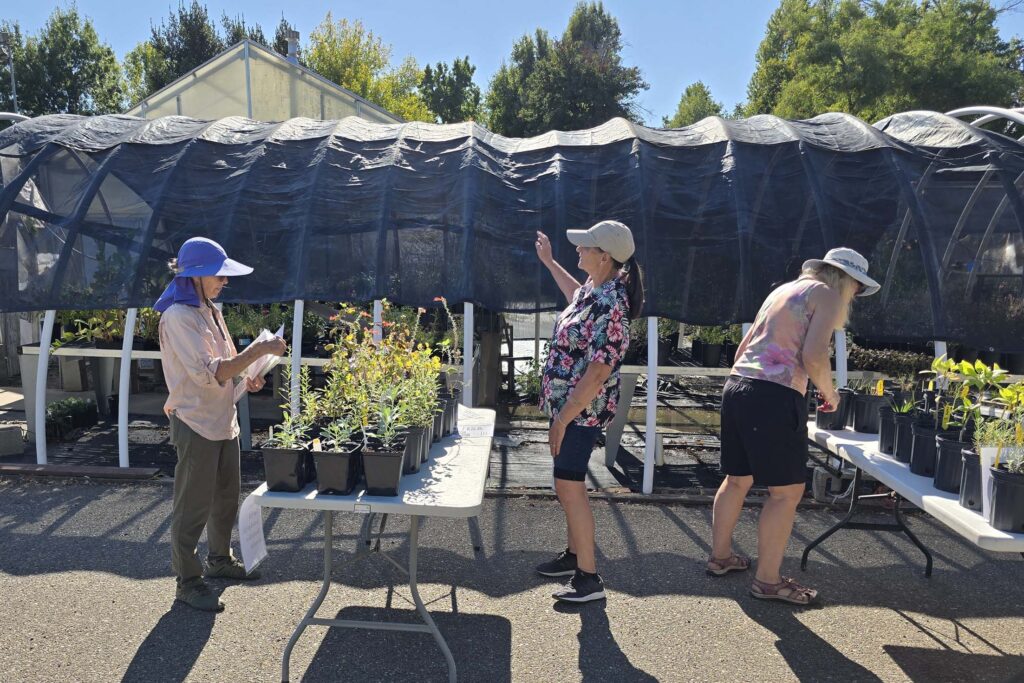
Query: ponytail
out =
(632, 277)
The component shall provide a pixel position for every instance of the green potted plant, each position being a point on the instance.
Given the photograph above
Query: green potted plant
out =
(384, 452)
(286, 460)
(712, 337)
(337, 458)
(904, 415)
(999, 442)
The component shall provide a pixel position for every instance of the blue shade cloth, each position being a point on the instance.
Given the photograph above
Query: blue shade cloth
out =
(180, 291)
(91, 209)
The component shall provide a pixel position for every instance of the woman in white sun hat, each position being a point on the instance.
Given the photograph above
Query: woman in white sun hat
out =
(580, 383)
(764, 413)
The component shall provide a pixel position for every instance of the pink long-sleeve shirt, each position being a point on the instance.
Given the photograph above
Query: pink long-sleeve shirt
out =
(193, 341)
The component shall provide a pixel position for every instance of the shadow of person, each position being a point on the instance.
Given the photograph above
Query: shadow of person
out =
(601, 658)
(171, 649)
(809, 656)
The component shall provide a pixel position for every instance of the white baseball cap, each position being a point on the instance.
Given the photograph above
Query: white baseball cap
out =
(612, 237)
(851, 263)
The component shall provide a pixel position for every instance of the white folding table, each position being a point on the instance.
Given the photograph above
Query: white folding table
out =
(861, 451)
(450, 484)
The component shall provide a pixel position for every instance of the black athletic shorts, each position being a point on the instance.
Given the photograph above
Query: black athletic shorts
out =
(764, 432)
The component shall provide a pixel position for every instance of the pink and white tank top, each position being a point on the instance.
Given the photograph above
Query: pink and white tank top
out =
(774, 344)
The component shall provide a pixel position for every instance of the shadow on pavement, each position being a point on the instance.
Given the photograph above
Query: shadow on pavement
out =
(480, 643)
(928, 664)
(600, 656)
(172, 647)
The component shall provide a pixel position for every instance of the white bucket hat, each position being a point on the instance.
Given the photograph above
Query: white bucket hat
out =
(611, 237)
(851, 263)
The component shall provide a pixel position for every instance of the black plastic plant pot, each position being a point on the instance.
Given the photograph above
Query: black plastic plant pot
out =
(970, 480)
(922, 450)
(1007, 509)
(286, 469)
(831, 421)
(696, 350)
(452, 413)
(886, 430)
(949, 464)
(439, 421)
(383, 470)
(847, 398)
(413, 448)
(865, 413)
(337, 472)
(904, 436)
(711, 355)
(425, 444)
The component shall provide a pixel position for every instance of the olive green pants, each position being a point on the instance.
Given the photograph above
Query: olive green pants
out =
(206, 487)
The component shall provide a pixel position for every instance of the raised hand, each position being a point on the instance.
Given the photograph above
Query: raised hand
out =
(543, 245)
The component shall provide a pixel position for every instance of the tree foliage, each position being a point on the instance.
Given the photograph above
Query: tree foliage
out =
(354, 58)
(450, 92)
(184, 40)
(695, 104)
(873, 58)
(63, 69)
(577, 81)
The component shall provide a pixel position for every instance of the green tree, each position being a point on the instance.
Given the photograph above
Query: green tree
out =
(695, 104)
(879, 57)
(451, 93)
(577, 81)
(354, 58)
(186, 39)
(280, 45)
(236, 30)
(63, 69)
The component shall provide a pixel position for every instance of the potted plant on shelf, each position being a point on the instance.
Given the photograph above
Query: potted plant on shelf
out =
(999, 441)
(384, 452)
(286, 461)
(711, 337)
(337, 458)
(904, 415)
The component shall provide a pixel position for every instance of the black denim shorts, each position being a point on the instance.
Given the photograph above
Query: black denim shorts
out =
(574, 453)
(764, 432)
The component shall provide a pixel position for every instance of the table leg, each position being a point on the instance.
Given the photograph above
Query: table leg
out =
(838, 525)
(847, 523)
(414, 527)
(920, 546)
(310, 614)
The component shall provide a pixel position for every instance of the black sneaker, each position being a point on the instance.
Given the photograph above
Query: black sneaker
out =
(563, 565)
(581, 588)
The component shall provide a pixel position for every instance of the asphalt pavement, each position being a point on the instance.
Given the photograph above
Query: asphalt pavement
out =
(87, 595)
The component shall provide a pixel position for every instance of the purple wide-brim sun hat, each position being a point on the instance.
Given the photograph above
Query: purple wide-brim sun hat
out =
(201, 257)
(198, 257)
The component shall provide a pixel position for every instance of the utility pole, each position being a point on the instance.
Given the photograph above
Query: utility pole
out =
(7, 46)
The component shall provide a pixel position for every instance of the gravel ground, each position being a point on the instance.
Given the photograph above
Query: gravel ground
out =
(87, 592)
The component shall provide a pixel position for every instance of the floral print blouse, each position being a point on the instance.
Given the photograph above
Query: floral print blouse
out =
(594, 328)
(772, 350)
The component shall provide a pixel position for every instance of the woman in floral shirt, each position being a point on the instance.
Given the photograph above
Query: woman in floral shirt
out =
(580, 384)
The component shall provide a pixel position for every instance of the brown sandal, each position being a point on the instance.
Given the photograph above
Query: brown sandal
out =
(733, 563)
(795, 593)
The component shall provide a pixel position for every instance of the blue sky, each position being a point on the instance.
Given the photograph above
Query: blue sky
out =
(673, 42)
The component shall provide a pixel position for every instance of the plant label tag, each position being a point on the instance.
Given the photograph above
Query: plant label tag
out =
(880, 388)
(931, 385)
(946, 413)
(1020, 435)
(361, 508)
(316, 445)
